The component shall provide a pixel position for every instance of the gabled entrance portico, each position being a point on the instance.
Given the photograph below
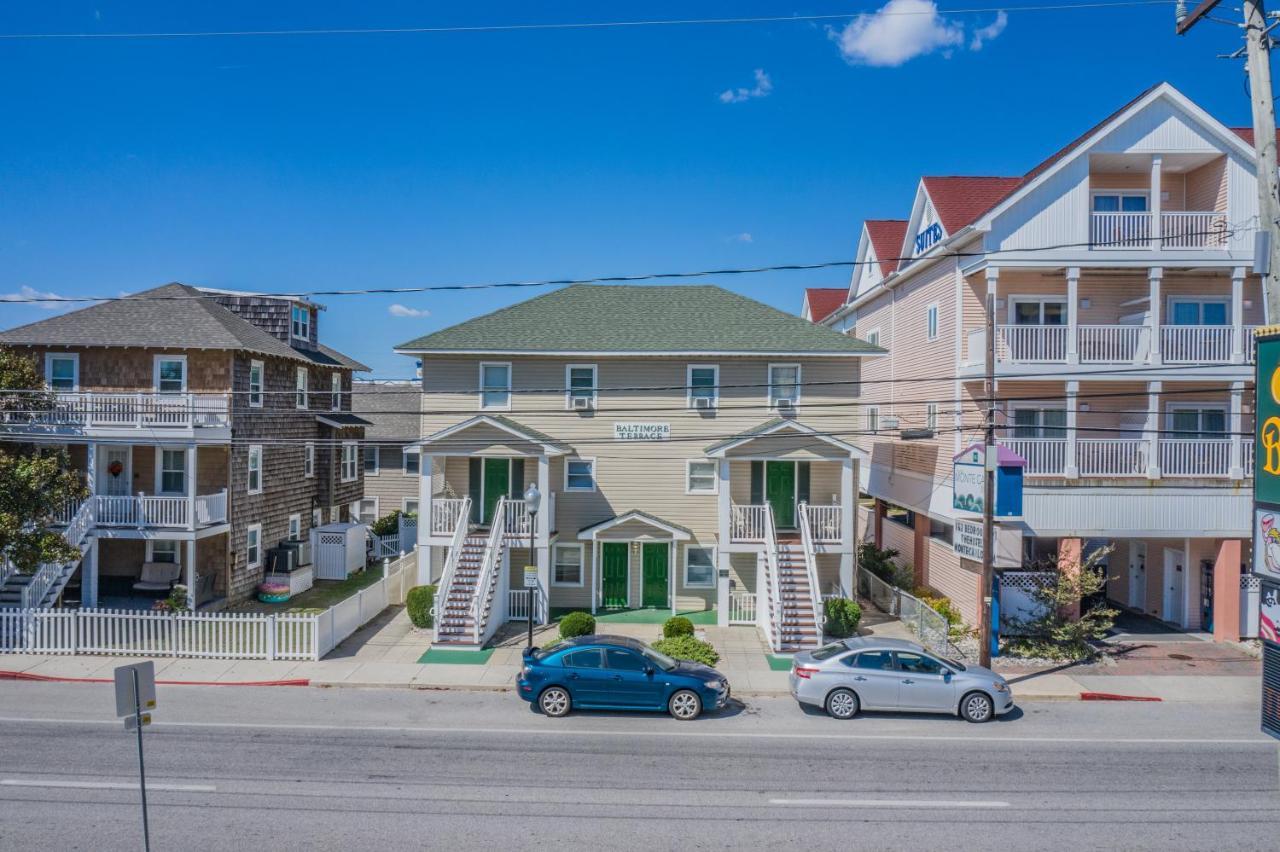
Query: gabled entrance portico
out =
(614, 543)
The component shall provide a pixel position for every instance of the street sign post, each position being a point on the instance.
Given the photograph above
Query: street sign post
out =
(531, 585)
(136, 694)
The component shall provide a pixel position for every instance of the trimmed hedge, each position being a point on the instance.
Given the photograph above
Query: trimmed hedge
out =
(677, 625)
(577, 624)
(418, 602)
(688, 648)
(842, 618)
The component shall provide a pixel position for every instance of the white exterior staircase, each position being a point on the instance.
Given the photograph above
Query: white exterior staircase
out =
(465, 611)
(792, 615)
(42, 588)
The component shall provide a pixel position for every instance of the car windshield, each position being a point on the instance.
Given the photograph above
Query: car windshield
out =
(826, 652)
(953, 664)
(659, 659)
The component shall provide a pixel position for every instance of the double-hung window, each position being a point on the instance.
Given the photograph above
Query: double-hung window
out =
(295, 527)
(162, 550)
(412, 463)
(409, 505)
(784, 385)
(931, 322)
(566, 569)
(700, 476)
(699, 567)
(171, 373)
(1040, 423)
(931, 416)
(309, 460)
(173, 472)
(367, 511)
(873, 337)
(301, 388)
(335, 392)
(300, 322)
(62, 371)
(580, 383)
(873, 418)
(254, 478)
(704, 384)
(495, 386)
(370, 459)
(350, 449)
(255, 384)
(580, 475)
(253, 546)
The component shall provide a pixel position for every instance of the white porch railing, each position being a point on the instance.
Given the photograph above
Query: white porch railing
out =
(481, 601)
(747, 522)
(1195, 457)
(148, 510)
(1033, 344)
(1195, 344)
(445, 513)
(1044, 456)
(33, 593)
(773, 580)
(1112, 456)
(518, 605)
(1120, 230)
(461, 523)
(516, 519)
(1247, 343)
(1195, 229)
(1246, 456)
(141, 410)
(810, 566)
(742, 608)
(1113, 344)
(211, 508)
(79, 524)
(824, 523)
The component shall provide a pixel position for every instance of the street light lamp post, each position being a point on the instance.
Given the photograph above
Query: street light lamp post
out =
(532, 497)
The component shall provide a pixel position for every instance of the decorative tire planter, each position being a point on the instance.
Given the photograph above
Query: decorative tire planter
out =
(273, 592)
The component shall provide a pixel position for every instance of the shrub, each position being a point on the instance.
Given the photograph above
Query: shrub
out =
(577, 624)
(677, 625)
(688, 648)
(387, 524)
(1056, 633)
(418, 602)
(842, 618)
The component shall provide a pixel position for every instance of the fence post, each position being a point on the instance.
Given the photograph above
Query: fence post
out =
(271, 636)
(75, 631)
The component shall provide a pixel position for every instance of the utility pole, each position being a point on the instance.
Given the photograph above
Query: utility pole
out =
(988, 483)
(1257, 54)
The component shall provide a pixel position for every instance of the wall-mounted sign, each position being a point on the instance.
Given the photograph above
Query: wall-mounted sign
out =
(641, 431)
(966, 540)
(967, 471)
(928, 237)
(1266, 542)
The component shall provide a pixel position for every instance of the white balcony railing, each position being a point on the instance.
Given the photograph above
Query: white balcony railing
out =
(91, 409)
(1112, 456)
(1113, 344)
(1198, 457)
(747, 522)
(1195, 344)
(516, 519)
(824, 523)
(1044, 456)
(146, 510)
(444, 514)
(1120, 230)
(1033, 344)
(1193, 229)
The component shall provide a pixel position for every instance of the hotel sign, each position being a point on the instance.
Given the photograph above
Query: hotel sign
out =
(1266, 482)
(641, 431)
(928, 237)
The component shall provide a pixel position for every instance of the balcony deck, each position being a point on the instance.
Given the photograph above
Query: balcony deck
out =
(1133, 457)
(148, 511)
(102, 414)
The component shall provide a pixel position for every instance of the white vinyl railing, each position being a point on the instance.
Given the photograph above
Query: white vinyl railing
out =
(79, 523)
(1247, 343)
(1044, 456)
(1113, 344)
(144, 410)
(211, 508)
(1112, 456)
(149, 510)
(1195, 457)
(747, 522)
(774, 581)
(1195, 344)
(518, 605)
(1120, 230)
(445, 513)
(480, 601)
(516, 519)
(810, 566)
(385, 546)
(33, 593)
(1034, 344)
(742, 608)
(824, 523)
(1193, 229)
(460, 526)
(1246, 456)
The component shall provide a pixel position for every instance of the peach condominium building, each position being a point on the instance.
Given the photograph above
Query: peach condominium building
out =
(1124, 313)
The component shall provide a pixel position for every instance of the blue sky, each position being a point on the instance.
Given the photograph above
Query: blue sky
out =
(316, 162)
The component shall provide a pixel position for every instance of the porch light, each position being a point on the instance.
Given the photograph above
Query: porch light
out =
(532, 498)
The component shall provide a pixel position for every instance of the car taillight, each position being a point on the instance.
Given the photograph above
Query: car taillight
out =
(805, 672)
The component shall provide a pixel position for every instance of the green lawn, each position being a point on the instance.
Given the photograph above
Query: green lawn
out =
(321, 596)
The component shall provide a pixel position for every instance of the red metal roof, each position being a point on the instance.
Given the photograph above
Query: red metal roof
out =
(886, 238)
(824, 301)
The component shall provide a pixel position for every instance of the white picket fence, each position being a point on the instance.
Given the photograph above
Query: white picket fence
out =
(214, 635)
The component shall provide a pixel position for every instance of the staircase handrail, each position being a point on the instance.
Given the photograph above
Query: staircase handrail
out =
(33, 593)
(811, 568)
(771, 571)
(450, 564)
(81, 522)
(488, 564)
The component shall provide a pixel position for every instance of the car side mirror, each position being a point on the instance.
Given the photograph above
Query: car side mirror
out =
(946, 677)
(648, 670)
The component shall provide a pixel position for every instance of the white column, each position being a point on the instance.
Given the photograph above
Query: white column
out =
(722, 588)
(1070, 464)
(993, 279)
(1073, 313)
(1236, 427)
(595, 575)
(1154, 274)
(426, 499)
(671, 574)
(848, 520)
(723, 499)
(542, 528)
(1156, 163)
(1237, 315)
(189, 458)
(89, 576)
(1151, 432)
(190, 573)
(91, 474)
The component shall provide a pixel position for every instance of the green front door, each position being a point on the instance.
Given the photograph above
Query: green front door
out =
(780, 491)
(497, 483)
(655, 575)
(613, 574)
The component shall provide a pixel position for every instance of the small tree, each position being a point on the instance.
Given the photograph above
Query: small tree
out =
(1058, 631)
(879, 561)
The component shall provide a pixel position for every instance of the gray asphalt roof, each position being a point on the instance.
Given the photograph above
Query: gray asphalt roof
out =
(389, 407)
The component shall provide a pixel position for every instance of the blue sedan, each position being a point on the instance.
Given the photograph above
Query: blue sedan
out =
(617, 673)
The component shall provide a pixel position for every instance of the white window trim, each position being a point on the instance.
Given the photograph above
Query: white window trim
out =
(568, 390)
(295, 518)
(715, 387)
(160, 451)
(150, 553)
(582, 565)
(872, 422)
(372, 452)
(405, 455)
(715, 476)
(1183, 406)
(404, 505)
(481, 385)
(309, 460)
(254, 449)
(155, 372)
(1040, 426)
(1200, 301)
(1014, 301)
(594, 474)
(50, 357)
(255, 396)
(773, 403)
(932, 315)
(335, 392)
(685, 568)
(872, 336)
(317, 518)
(931, 415)
(1120, 193)
(255, 563)
(377, 506)
(301, 398)
(355, 461)
(306, 324)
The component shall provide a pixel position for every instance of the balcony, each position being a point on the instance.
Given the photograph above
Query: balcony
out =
(1114, 344)
(143, 511)
(517, 522)
(92, 411)
(1194, 229)
(747, 523)
(1131, 457)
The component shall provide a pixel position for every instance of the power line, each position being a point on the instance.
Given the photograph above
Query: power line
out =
(583, 25)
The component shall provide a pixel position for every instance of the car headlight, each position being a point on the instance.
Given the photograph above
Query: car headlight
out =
(525, 672)
(715, 685)
(1000, 686)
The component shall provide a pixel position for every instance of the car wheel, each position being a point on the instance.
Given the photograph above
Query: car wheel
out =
(977, 707)
(842, 704)
(555, 702)
(685, 705)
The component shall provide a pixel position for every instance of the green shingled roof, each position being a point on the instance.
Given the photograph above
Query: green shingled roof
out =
(603, 319)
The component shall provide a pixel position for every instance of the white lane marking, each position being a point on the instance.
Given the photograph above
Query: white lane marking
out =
(106, 785)
(631, 734)
(887, 803)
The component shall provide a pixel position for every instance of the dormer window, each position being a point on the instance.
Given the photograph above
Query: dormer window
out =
(300, 326)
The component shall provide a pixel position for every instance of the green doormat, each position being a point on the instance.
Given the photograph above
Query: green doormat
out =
(454, 657)
(651, 616)
(778, 663)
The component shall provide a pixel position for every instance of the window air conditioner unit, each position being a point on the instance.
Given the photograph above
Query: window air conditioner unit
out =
(704, 403)
(888, 422)
(786, 405)
(582, 403)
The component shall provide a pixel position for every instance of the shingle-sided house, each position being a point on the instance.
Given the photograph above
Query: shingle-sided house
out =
(210, 426)
(688, 445)
(391, 446)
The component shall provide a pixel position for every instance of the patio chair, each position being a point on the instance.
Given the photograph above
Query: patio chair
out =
(157, 577)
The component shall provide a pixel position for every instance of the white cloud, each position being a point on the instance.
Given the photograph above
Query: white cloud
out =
(901, 30)
(26, 293)
(982, 35)
(744, 237)
(761, 89)
(398, 310)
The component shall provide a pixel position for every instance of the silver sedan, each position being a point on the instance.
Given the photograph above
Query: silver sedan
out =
(891, 674)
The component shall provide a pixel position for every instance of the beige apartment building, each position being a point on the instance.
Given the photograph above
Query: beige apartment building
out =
(688, 447)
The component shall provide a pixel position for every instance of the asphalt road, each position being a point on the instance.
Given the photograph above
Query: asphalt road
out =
(243, 768)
